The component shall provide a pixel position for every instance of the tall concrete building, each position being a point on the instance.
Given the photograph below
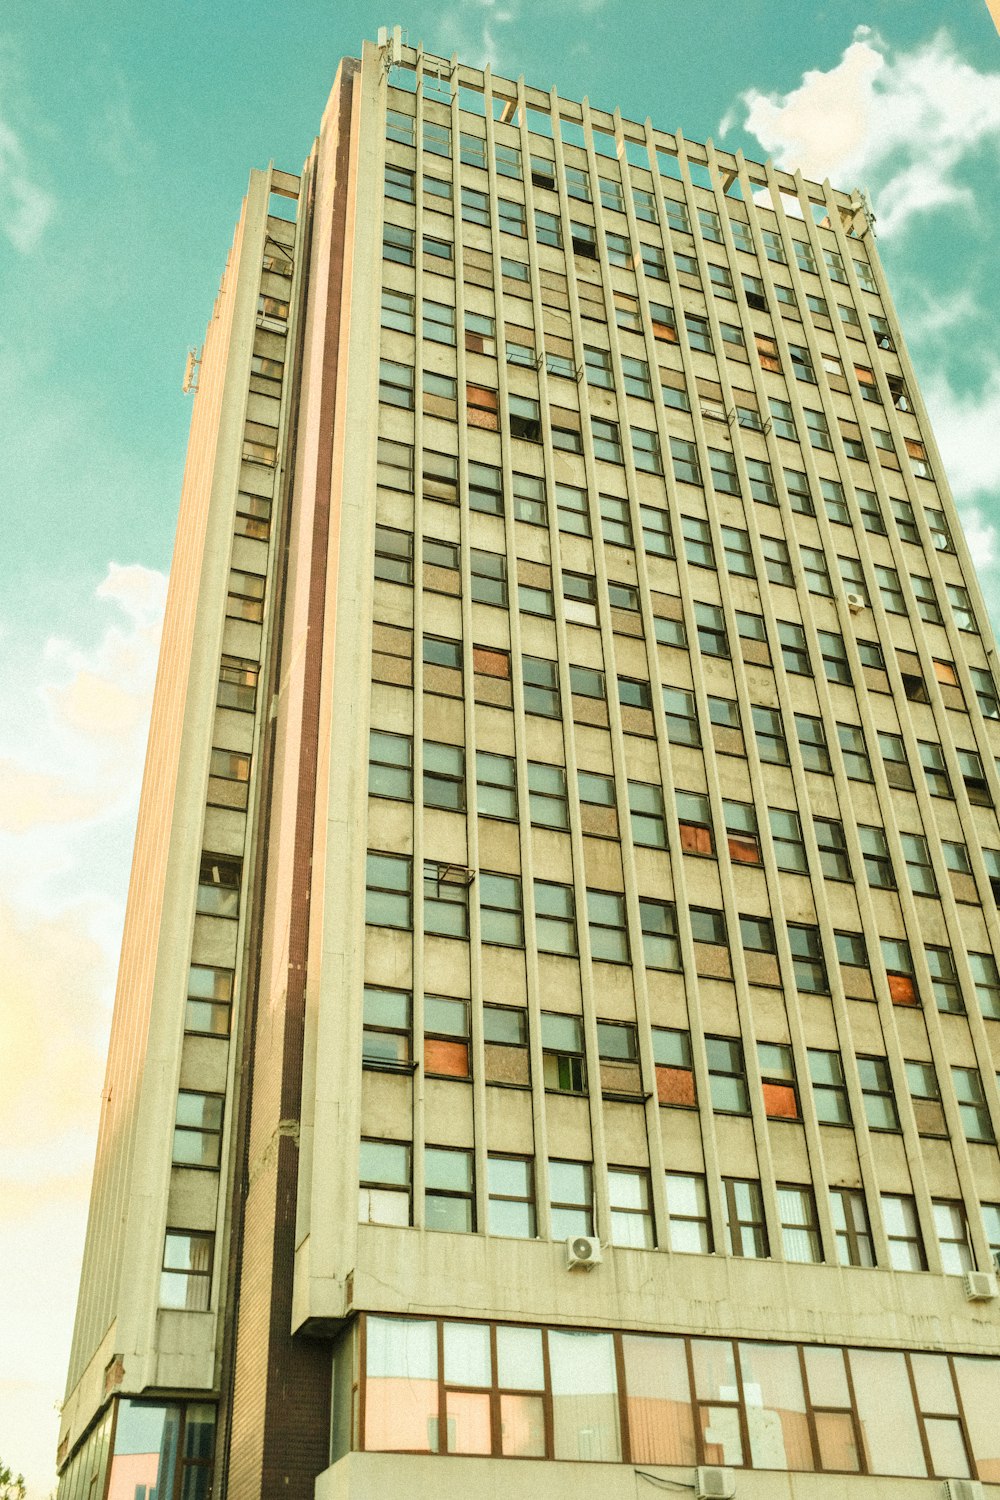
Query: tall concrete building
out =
(558, 1025)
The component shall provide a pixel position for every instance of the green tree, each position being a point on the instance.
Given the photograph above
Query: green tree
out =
(12, 1486)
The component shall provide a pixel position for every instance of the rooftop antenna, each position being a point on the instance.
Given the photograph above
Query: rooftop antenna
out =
(191, 368)
(391, 45)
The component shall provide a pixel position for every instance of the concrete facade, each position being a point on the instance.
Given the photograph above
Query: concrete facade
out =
(578, 702)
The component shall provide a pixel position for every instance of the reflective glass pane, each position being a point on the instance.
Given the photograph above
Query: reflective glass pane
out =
(519, 1359)
(660, 1418)
(948, 1456)
(979, 1382)
(885, 1409)
(401, 1402)
(467, 1354)
(468, 1422)
(584, 1397)
(775, 1406)
(522, 1426)
(714, 1369)
(720, 1430)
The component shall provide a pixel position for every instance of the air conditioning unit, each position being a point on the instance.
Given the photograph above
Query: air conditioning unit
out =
(963, 1489)
(715, 1484)
(855, 602)
(980, 1286)
(582, 1250)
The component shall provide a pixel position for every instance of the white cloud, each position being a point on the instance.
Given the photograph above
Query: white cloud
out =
(903, 122)
(25, 206)
(965, 426)
(69, 777)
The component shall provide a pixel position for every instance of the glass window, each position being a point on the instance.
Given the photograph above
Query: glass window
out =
(386, 1034)
(826, 1071)
(738, 552)
(564, 1069)
(646, 451)
(745, 1217)
(384, 1175)
(444, 776)
(799, 1225)
(388, 897)
(401, 1389)
(794, 651)
(953, 1237)
(572, 1198)
(541, 686)
(390, 765)
(585, 1411)
(446, 900)
(681, 717)
(697, 542)
(777, 1074)
(606, 921)
(198, 1129)
(786, 835)
(631, 1208)
(694, 820)
(555, 918)
(849, 1212)
(687, 1212)
(885, 1411)
(500, 909)
(986, 977)
(659, 934)
(496, 794)
(833, 856)
(771, 746)
(449, 1201)
(902, 1228)
(727, 1075)
(511, 1196)
(675, 1083)
(186, 1273)
(657, 539)
(649, 826)
(607, 440)
(876, 1089)
(808, 962)
(972, 1105)
(209, 1003)
(397, 244)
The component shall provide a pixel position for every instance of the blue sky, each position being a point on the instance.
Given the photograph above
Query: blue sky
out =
(125, 145)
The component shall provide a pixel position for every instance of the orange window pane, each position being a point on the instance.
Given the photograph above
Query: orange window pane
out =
(491, 663)
(446, 1057)
(837, 1446)
(945, 672)
(780, 1102)
(865, 376)
(696, 840)
(665, 333)
(468, 1422)
(522, 1426)
(675, 1085)
(660, 1419)
(902, 990)
(401, 1415)
(743, 850)
(915, 449)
